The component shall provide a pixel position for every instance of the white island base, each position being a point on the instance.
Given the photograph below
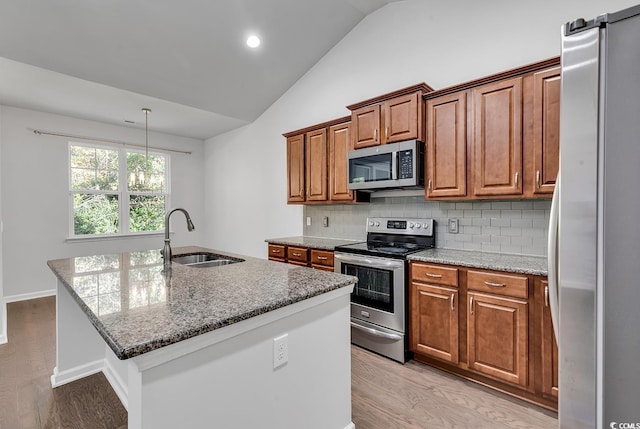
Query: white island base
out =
(225, 378)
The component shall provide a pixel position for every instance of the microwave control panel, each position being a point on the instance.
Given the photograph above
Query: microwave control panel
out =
(405, 163)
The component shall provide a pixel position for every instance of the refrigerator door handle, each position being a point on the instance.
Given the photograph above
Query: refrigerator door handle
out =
(552, 252)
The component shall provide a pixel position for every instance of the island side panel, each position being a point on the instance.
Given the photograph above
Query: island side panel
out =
(80, 350)
(233, 384)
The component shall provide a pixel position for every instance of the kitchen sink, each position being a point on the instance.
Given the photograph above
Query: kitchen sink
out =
(205, 260)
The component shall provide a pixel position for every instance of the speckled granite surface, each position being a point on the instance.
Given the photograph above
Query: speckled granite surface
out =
(137, 309)
(534, 265)
(312, 242)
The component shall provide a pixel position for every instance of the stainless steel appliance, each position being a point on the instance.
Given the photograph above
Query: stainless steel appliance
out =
(378, 300)
(394, 165)
(594, 239)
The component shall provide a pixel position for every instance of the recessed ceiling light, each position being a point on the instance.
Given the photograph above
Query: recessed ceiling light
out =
(253, 42)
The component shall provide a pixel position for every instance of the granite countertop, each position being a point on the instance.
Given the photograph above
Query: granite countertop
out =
(534, 265)
(312, 242)
(136, 308)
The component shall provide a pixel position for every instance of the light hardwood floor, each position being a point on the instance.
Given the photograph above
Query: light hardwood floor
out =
(386, 395)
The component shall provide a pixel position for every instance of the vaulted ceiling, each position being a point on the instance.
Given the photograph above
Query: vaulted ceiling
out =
(186, 60)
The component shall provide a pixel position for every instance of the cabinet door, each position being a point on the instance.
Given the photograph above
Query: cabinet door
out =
(549, 349)
(434, 322)
(339, 144)
(497, 138)
(546, 130)
(295, 169)
(316, 165)
(497, 330)
(366, 126)
(447, 146)
(400, 118)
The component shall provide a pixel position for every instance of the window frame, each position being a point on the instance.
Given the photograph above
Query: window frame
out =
(122, 192)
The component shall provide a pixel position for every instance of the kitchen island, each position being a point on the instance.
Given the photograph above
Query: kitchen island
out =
(196, 347)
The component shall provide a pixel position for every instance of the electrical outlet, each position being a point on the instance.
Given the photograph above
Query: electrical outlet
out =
(308, 220)
(325, 221)
(453, 226)
(280, 351)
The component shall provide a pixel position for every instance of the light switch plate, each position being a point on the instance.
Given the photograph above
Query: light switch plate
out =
(280, 350)
(308, 220)
(453, 226)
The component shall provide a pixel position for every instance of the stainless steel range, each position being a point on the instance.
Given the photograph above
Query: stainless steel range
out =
(378, 302)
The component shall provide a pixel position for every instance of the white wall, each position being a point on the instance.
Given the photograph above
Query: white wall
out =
(35, 192)
(440, 42)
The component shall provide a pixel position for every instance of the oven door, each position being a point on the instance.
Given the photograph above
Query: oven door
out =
(379, 295)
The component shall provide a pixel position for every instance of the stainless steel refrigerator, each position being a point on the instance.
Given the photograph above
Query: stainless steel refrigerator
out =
(594, 231)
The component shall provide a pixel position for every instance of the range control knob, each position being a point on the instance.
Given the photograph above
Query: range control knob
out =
(370, 223)
(425, 225)
(418, 225)
(377, 224)
(410, 224)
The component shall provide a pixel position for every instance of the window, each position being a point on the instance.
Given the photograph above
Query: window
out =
(116, 191)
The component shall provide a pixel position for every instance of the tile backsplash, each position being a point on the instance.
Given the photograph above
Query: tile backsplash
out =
(515, 227)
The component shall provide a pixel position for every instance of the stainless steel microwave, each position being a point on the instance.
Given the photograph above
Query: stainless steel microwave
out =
(394, 165)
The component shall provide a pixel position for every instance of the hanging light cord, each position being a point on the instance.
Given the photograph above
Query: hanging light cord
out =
(146, 132)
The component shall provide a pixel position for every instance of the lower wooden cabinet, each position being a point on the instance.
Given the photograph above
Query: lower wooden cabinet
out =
(549, 348)
(434, 321)
(277, 252)
(303, 256)
(497, 329)
(487, 326)
(322, 259)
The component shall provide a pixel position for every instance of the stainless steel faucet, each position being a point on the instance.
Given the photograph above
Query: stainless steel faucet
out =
(166, 251)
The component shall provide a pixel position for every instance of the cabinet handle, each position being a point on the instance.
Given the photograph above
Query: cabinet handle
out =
(537, 179)
(471, 305)
(495, 284)
(323, 258)
(297, 254)
(275, 251)
(387, 133)
(516, 179)
(546, 296)
(452, 298)
(375, 134)
(429, 186)
(435, 276)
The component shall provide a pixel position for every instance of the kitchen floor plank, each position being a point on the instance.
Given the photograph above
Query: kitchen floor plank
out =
(388, 395)
(385, 394)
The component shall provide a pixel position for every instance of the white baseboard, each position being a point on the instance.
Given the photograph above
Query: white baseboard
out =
(73, 374)
(3, 322)
(30, 295)
(121, 389)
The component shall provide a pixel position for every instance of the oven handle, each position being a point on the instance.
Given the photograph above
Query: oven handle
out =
(371, 261)
(375, 332)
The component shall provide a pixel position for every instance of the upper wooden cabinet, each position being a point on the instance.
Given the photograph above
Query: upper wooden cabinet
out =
(497, 138)
(546, 130)
(295, 169)
(339, 144)
(316, 165)
(447, 146)
(366, 126)
(389, 118)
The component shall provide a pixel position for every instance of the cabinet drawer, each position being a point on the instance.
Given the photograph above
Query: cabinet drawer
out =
(297, 254)
(502, 284)
(434, 274)
(277, 251)
(322, 257)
